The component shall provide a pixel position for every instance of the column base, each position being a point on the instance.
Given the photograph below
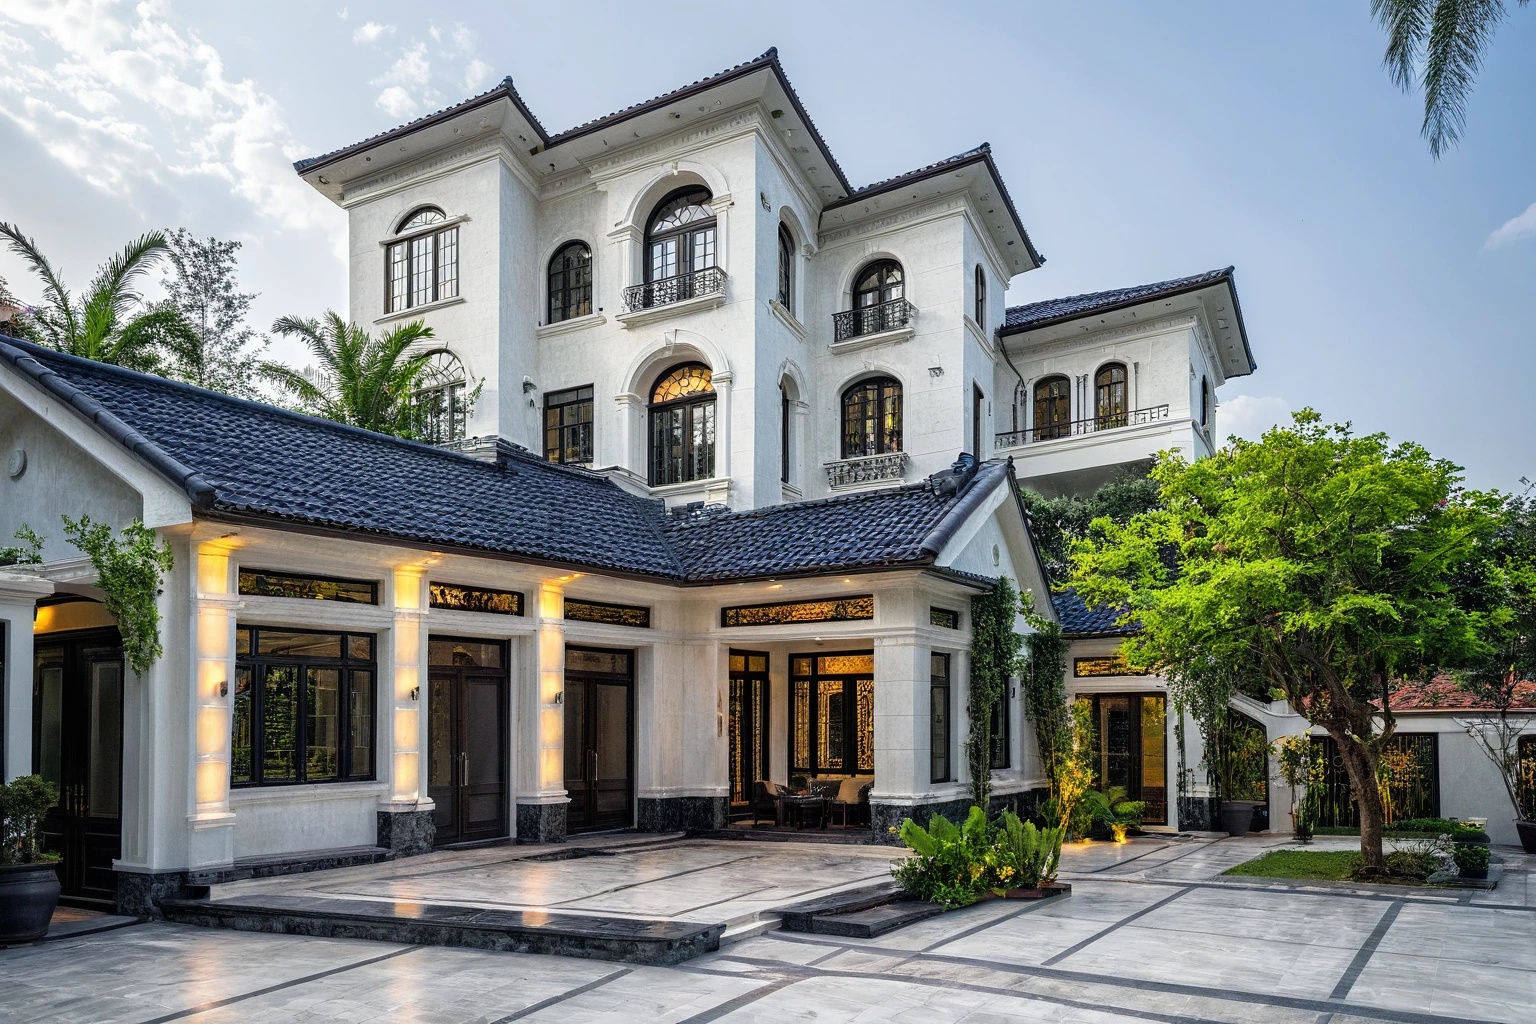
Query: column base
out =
(1199, 814)
(138, 892)
(541, 823)
(406, 833)
(682, 813)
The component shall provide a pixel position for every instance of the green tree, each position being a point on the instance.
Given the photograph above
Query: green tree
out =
(1058, 522)
(1326, 558)
(226, 354)
(359, 380)
(110, 322)
(1439, 46)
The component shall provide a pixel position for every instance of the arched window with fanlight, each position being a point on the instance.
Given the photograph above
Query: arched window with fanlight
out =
(440, 400)
(1109, 396)
(880, 282)
(421, 265)
(981, 298)
(872, 418)
(683, 425)
(570, 282)
(786, 294)
(680, 237)
(879, 302)
(1053, 408)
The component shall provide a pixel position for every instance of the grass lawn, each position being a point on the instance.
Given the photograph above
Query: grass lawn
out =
(1332, 864)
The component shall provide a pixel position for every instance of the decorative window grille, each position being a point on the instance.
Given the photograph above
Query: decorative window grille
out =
(944, 617)
(608, 614)
(265, 583)
(843, 609)
(683, 425)
(452, 597)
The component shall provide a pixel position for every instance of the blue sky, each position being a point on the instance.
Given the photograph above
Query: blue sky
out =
(1140, 142)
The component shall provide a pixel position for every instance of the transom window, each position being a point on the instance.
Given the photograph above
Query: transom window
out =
(568, 426)
(786, 269)
(570, 282)
(1053, 408)
(872, 418)
(680, 238)
(879, 282)
(303, 708)
(683, 425)
(1109, 387)
(442, 406)
(424, 267)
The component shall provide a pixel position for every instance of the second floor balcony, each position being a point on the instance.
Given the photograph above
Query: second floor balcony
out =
(1073, 428)
(869, 320)
(708, 283)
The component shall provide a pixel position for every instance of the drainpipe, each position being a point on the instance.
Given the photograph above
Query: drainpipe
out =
(1023, 387)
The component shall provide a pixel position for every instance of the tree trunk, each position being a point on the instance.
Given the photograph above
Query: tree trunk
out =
(1362, 782)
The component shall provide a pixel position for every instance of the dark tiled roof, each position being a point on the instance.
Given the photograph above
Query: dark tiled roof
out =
(242, 459)
(1050, 311)
(1077, 619)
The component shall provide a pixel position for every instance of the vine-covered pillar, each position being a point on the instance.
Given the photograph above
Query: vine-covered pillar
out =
(405, 822)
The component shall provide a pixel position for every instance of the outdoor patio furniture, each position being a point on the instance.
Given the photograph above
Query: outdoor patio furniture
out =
(852, 798)
(765, 800)
(799, 809)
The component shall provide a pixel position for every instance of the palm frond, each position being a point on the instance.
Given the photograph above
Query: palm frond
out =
(1459, 35)
(113, 282)
(1406, 23)
(53, 288)
(292, 382)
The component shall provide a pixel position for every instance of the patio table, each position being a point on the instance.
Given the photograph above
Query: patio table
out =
(797, 806)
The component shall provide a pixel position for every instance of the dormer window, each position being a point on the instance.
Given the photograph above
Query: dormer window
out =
(421, 267)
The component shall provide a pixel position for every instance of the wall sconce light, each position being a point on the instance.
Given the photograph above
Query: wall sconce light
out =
(560, 697)
(224, 688)
(415, 693)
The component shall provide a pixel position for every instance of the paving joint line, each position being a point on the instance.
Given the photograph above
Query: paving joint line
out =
(562, 997)
(983, 926)
(1096, 936)
(1366, 951)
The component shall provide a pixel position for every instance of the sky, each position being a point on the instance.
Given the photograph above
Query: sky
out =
(1139, 141)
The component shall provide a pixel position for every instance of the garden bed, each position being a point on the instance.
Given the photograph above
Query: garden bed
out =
(1331, 866)
(872, 912)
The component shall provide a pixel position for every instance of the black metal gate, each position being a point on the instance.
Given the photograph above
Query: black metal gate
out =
(1413, 786)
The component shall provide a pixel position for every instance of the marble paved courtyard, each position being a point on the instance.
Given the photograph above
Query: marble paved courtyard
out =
(1150, 933)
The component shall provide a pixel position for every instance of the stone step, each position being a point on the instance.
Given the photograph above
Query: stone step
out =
(867, 924)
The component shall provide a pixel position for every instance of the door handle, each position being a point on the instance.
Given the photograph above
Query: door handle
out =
(592, 766)
(464, 768)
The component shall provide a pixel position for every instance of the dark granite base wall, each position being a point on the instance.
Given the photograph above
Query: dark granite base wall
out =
(541, 823)
(887, 816)
(139, 893)
(1199, 814)
(406, 833)
(682, 813)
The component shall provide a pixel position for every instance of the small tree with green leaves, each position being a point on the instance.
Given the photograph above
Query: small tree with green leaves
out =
(128, 570)
(224, 352)
(1326, 557)
(28, 552)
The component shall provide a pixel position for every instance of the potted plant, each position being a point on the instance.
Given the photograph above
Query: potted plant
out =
(1113, 814)
(29, 883)
(1242, 769)
(1471, 859)
(1498, 735)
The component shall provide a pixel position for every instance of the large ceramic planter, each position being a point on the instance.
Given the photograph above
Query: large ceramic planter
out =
(1236, 817)
(1527, 830)
(28, 894)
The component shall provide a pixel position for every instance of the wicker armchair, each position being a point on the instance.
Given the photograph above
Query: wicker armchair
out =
(765, 801)
(852, 799)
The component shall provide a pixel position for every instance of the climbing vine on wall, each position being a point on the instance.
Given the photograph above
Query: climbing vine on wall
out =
(128, 570)
(1045, 693)
(994, 658)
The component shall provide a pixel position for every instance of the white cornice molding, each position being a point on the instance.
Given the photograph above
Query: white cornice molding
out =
(434, 166)
(1139, 331)
(688, 140)
(933, 209)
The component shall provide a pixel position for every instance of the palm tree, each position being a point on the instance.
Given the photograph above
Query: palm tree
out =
(360, 380)
(110, 322)
(1439, 44)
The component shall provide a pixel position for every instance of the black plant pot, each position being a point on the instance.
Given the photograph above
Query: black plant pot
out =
(28, 894)
(1479, 873)
(1236, 817)
(1527, 830)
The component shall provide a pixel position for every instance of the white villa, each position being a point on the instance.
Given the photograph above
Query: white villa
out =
(747, 441)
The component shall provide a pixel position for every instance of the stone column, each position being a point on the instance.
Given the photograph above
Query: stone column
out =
(901, 732)
(541, 798)
(18, 597)
(211, 838)
(405, 822)
(721, 379)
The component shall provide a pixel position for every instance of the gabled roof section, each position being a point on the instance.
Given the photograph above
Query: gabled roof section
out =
(1080, 622)
(1052, 312)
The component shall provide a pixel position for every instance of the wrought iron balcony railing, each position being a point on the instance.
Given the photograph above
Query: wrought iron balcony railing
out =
(674, 289)
(866, 469)
(1091, 425)
(887, 316)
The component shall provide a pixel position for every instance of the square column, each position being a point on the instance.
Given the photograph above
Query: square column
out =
(405, 822)
(211, 839)
(18, 598)
(541, 795)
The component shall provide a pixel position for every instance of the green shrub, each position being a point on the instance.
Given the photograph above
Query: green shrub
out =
(1471, 858)
(23, 805)
(1026, 856)
(956, 866)
(1411, 863)
(1111, 811)
(1436, 827)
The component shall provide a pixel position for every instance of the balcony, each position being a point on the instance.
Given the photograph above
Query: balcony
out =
(1073, 428)
(855, 328)
(866, 469)
(684, 293)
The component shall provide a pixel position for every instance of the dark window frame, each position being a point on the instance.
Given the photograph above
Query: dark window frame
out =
(873, 286)
(981, 298)
(686, 468)
(978, 439)
(1105, 395)
(558, 402)
(685, 236)
(303, 577)
(400, 252)
(784, 434)
(1052, 410)
(1205, 401)
(786, 291)
(885, 393)
(440, 402)
(569, 283)
(810, 766)
(940, 732)
(257, 665)
(607, 613)
(1002, 730)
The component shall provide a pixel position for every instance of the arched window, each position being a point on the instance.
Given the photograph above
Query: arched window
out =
(683, 425)
(680, 237)
(1109, 394)
(879, 282)
(872, 418)
(440, 400)
(1053, 408)
(981, 298)
(1205, 401)
(424, 266)
(786, 269)
(570, 282)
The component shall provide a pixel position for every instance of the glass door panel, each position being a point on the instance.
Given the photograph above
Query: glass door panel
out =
(1154, 759)
(1115, 739)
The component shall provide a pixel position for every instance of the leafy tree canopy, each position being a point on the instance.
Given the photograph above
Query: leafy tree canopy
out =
(224, 353)
(1059, 522)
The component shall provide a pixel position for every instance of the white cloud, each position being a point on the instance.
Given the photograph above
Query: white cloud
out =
(1249, 416)
(476, 73)
(370, 31)
(396, 102)
(411, 68)
(1514, 229)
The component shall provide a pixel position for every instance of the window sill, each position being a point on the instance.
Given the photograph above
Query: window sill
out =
(416, 311)
(713, 490)
(572, 325)
(895, 337)
(787, 318)
(241, 796)
(696, 304)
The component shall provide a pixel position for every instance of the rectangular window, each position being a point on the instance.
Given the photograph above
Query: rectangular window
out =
(1001, 729)
(303, 707)
(265, 583)
(422, 269)
(833, 714)
(568, 426)
(608, 614)
(944, 618)
(938, 719)
(839, 609)
(451, 597)
(1113, 665)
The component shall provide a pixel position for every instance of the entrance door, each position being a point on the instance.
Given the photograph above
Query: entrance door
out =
(1133, 749)
(748, 726)
(599, 739)
(467, 763)
(77, 744)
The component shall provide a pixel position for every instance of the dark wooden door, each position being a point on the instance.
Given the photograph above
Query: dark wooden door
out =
(747, 726)
(467, 762)
(77, 744)
(599, 739)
